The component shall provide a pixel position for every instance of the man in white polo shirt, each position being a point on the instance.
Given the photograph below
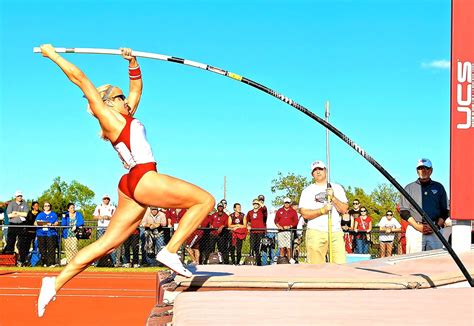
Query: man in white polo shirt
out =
(102, 214)
(314, 206)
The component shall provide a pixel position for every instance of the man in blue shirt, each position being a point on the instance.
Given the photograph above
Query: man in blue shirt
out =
(432, 198)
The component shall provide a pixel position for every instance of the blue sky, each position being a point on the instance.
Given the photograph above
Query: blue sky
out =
(383, 65)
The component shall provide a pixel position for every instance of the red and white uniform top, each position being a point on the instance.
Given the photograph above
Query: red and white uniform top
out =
(132, 145)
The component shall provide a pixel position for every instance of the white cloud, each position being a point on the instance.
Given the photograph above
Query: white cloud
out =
(437, 64)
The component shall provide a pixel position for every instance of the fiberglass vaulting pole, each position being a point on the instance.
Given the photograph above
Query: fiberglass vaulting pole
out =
(300, 108)
(328, 178)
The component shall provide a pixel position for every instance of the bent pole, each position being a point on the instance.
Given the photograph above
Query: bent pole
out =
(300, 108)
(328, 177)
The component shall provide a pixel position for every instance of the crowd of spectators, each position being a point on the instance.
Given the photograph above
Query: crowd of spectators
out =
(40, 236)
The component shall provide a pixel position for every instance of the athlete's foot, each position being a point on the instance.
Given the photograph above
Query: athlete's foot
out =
(172, 261)
(47, 294)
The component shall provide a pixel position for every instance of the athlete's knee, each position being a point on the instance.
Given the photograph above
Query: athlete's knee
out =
(209, 201)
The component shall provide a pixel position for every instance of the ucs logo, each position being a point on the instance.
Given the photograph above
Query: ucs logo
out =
(464, 86)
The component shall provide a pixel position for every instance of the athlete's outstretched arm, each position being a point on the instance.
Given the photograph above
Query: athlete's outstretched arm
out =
(80, 79)
(136, 83)
(76, 76)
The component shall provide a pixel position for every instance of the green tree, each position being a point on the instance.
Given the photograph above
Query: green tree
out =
(60, 193)
(385, 197)
(290, 185)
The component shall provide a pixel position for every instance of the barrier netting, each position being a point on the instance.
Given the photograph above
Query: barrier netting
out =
(56, 246)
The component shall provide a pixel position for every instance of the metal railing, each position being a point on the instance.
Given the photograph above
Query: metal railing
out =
(55, 246)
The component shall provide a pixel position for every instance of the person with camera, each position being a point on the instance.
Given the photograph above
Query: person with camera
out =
(257, 227)
(17, 211)
(71, 221)
(47, 234)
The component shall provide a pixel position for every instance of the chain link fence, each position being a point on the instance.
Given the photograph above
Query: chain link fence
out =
(56, 246)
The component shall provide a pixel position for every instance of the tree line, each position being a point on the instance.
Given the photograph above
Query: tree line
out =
(384, 197)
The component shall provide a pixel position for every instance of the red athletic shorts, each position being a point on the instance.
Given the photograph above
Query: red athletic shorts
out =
(129, 181)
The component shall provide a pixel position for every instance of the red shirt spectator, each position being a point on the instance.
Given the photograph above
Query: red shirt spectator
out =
(256, 220)
(173, 216)
(261, 198)
(239, 219)
(286, 217)
(217, 220)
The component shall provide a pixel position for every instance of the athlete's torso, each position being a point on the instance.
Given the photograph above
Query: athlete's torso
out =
(132, 145)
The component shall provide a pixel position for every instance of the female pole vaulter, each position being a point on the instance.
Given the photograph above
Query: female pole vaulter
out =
(142, 186)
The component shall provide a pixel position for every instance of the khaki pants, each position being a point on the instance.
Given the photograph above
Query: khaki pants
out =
(414, 239)
(70, 246)
(317, 247)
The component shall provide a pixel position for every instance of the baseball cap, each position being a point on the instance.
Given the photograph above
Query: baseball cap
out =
(287, 200)
(317, 164)
(18, 193)
(154, 208)
(256, 201)
(105, 196)
(220, 204)
(424, 162)
(261, 197)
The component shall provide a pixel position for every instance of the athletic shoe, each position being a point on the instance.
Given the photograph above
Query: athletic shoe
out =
(136, 266)
(126, 265)
(292, 261)
(172, 261)
(47, 294)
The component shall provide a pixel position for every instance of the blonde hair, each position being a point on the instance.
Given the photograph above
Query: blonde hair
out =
(104, 92)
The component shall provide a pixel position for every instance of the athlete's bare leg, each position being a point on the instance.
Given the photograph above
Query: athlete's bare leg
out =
(155, 189)
(126, 219)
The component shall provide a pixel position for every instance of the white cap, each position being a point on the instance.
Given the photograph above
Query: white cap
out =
(105, 196)
(18, 193)
(424, 162)
(317, 164)
(287, 200)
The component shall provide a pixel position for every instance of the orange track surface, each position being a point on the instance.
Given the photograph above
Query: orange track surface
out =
(89, 299)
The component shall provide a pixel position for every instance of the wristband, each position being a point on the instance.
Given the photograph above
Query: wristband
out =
(322, 211)
(134, 72)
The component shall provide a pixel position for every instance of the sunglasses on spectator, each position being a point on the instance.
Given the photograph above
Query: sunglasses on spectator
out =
(355, 203)
(423, 168)
(389, 214)
(363, 210)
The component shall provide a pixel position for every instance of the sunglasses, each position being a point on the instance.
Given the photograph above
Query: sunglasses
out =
(121, 96)
(423, 168)
(355, 203)
(389, 214)
(363, 211)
